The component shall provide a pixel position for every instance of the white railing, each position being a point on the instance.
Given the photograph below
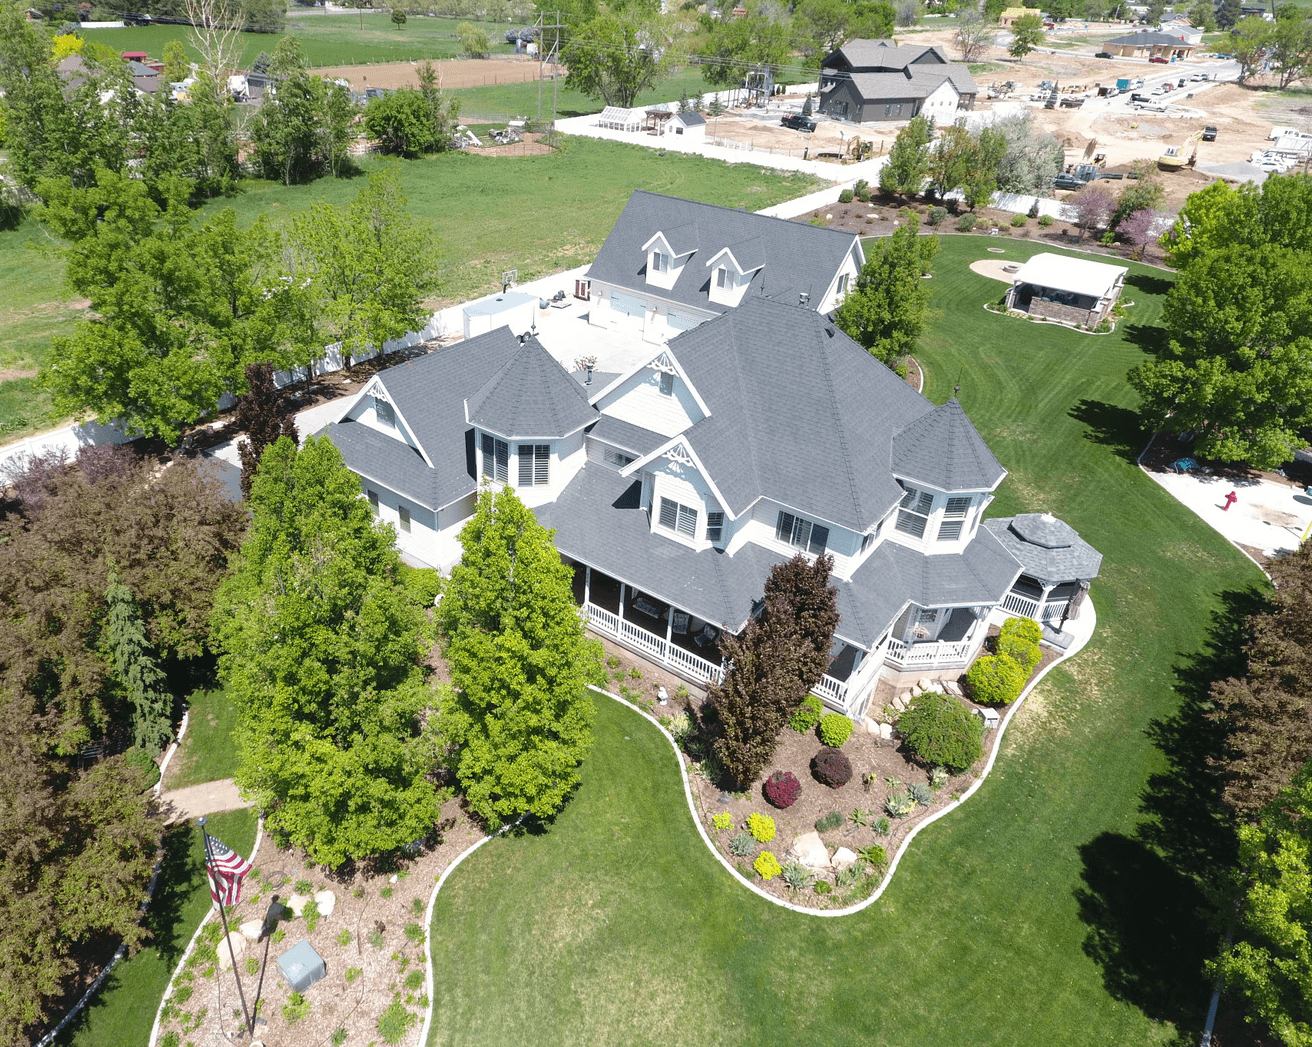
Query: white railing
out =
(1022, 605)
(834, 690)
(903, 656)
(1055, 611)
(670, 654)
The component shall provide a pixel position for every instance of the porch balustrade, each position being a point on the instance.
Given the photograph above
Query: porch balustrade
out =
(906, 656)
(1028, 607)
(669, 654)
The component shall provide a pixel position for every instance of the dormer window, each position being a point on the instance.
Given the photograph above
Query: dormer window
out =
(667, 383)
(954, 518)
(913, 511)
(801, 533)
(843, 279)
(384, 413)
(722, 280)
(680, 518)
(714, 526)
(660, 262)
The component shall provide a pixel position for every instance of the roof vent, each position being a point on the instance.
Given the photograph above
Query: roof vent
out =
(587, 375)
(803, 297)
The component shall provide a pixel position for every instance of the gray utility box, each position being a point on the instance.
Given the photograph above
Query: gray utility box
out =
(301, 966)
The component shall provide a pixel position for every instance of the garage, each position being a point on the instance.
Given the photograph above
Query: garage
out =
(683, 321)
(626, 308)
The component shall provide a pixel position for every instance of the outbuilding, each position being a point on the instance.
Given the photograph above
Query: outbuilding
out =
(1072, 290)
(512, 309)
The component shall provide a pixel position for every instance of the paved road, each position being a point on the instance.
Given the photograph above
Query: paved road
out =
(210, 798)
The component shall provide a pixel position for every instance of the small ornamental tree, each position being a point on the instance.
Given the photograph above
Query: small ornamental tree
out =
(1019, 638)
(940, 730)
(908, 160)
(831, 767)
(263, 415)
(1093, 206)
(782, 789)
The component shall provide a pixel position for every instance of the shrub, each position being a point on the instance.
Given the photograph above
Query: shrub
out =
(845, 197)
(252, 965)
(386, 892)
(797, 876)
(761, 826)
(966, 223)
(864, 196)
(414, 932)
(831, 767)
(940, 730)
(899, 805)
(722, 821)
(1017, 220)
(422, 584)
(995, 679)
(807, 715)
(847, 877)
(376, 939)
(936, 216)
(767, 866)
(882, 827)
(875, 855)
(395, 1022)
(678, 725)
(144, 762)
(344, 938)
(828, 822)
(311, 915)
(353, 973)
(296, 1008)
(860, 186)
(742, 845)
(303, 887)
(339, 1036)
(1034, 208)
(782, 789)
(1045, 220)
(823, 887)
(921, 793)
(1019, 637)
(835, 729)
(414, 980)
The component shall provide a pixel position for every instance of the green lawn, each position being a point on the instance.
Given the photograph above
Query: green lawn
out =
(207, 752)
(1061, 905)
(336, 39)
(123, 1011)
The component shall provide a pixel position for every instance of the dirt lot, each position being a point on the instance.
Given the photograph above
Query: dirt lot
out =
(463, 72)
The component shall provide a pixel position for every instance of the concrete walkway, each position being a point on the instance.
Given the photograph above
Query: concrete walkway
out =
(208, 798)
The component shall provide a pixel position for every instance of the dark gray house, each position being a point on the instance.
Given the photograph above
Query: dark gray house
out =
(674, 487)
(871, 81)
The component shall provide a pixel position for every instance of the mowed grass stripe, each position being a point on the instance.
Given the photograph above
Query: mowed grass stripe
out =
(576, 936)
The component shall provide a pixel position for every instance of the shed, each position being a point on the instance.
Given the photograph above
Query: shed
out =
(1073, 290)
(690, 125)
(512, 309)
(301, 966)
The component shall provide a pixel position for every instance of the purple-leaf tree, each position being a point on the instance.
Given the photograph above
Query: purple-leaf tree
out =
(1093, 207)
(1139, 228)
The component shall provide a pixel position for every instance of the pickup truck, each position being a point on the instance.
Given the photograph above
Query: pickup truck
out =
(798, 122)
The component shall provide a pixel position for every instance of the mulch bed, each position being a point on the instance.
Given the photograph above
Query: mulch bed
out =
(365, 940)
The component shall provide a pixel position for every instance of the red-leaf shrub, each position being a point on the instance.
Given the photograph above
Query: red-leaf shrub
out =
(782, 789)
(831, 767)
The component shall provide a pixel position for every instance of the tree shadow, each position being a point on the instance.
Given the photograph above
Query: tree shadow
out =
(1116, 427)
(1149, 898)
(181, 867)
(1149, 283)
(1151, 338)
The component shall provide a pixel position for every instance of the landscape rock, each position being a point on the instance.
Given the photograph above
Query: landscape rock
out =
(953, 688)
(885, 732)
(238, 947)
(296, 903)
(326, 901)
(916, 692)
(250, 930)
(936, 688)
(843, 858)
(809, 850)
(925, 683)
(870, 726)
(900, 704)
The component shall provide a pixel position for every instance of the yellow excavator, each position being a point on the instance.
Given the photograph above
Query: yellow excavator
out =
(1178, 156)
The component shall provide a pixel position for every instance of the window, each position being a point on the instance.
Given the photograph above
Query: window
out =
(888, 110)
(404, 515)
(384, 412)
(866, 539)
(617, 458)
(842, 282)
(954, 518)
(676, 517)
(373, 501)
(496, 459)
(660, 263)
(714, 526)
(534, 464)
(801, 533)
(913, 511)
(667, 383)
(722, 277)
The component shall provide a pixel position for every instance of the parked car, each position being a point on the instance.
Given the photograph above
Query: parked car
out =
(1159, 60)
(1067, 181)
(1104, 54)
(1209, 134)
(1199, 76)
(798, 122)
(1183, 80)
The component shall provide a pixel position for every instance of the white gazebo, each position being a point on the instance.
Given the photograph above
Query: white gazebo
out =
(1072, 290)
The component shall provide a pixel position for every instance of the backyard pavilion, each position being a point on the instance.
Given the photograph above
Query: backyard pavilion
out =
(1072, 290)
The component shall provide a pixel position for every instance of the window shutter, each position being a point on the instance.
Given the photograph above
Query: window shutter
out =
(688, 521)
(910, 523)
(957, 508)
(819, 539)
(525, 465)
(783, 528)
(949, 530)
(489, 457)
(909, 498)
(801, 533)
(541, 463)
(925, 504)
(669, 513)
(503, 461)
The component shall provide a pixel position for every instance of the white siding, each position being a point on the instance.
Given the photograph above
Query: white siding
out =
(941, 105)
(758, 527)
(685, 485)
(365, 413)
(421, 539)
(852, 268)
(641, 402)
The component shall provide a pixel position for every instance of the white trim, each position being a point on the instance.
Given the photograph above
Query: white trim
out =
(915, 829)
(182, 730)
(649, 363)
(674, 444)
(377, 380)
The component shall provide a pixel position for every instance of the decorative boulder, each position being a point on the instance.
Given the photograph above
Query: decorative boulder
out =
(809, 850)
(900, 704)
(250, 930)
(885, 732)
(924, 683)
(843, 858)
(953, 688)
(870, 726)
(916, 692)
(326, 901)
(296, 903)
(238, 947)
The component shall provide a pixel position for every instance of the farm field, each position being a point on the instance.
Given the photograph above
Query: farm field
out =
(540, 214)
(1066, 896)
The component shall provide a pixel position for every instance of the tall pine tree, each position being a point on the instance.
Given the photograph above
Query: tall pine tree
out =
(137, 670)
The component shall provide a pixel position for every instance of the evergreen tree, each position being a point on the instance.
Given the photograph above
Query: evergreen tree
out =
(320, 647)
(520, 723)
(137, 669)
(908, 160)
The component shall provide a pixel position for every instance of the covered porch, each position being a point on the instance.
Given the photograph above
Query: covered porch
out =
(936, 637)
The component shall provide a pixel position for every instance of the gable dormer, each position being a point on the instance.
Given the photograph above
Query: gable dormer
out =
(657, 395)
(732, 269)
(374, 408)
(668, 251)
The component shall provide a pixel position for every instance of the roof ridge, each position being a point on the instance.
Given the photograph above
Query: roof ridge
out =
(827, 332)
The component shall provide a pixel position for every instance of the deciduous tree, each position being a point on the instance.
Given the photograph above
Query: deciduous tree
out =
(520, 723)
(973, 35)
(738, 45)
(319, 647)
(887, 309)
(615, 57)
(1093, 207)
(263, 414)
(908, 160)
(1027, 33)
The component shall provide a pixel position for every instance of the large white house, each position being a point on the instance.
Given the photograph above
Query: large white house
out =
(674, 487)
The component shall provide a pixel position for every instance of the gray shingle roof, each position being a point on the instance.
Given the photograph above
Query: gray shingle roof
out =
(386, 460)
(531, 395)
(795, 257)
(925, 66)
(800, 413)
(1047, 548)
(627, 436)
(942, 449)
(692, 119)
(1147, 40)
(875, 87)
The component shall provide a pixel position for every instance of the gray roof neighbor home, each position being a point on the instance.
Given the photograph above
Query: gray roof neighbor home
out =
(871, 80)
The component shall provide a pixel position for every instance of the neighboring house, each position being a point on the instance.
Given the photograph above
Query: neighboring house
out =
(675, 487)
(1010, 14)
(1149, 43)
(1186, 32)
(670, 264)
(870, 81)
(1072, 290)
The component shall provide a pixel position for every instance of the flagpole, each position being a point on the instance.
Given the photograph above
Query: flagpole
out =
(209, 875)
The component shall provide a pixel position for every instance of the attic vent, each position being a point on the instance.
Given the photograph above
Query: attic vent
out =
(803, 297)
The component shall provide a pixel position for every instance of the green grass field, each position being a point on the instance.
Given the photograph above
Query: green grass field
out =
(327, 39)
(123, 1011)
(1062, 905)
(207, 752)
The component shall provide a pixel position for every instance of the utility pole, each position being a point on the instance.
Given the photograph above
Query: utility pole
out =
(538, 26)
(555, 76)
(542, 28)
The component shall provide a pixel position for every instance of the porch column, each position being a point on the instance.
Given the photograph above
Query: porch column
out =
(587, 584)
(669, 632)
(623, 587)
(1043, 601)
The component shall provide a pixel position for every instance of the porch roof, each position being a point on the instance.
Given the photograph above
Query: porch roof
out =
(1077, 275)
(1047, 548)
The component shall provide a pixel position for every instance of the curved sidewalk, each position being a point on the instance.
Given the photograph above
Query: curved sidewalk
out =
(207, 798)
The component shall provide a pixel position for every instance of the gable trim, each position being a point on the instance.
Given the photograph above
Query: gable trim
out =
(661, 359)
(680, 450)
(377, 383)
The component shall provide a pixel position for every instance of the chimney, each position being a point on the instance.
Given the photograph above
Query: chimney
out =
(587, 372)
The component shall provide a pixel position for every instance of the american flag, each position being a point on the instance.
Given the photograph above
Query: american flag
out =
(226, 869)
